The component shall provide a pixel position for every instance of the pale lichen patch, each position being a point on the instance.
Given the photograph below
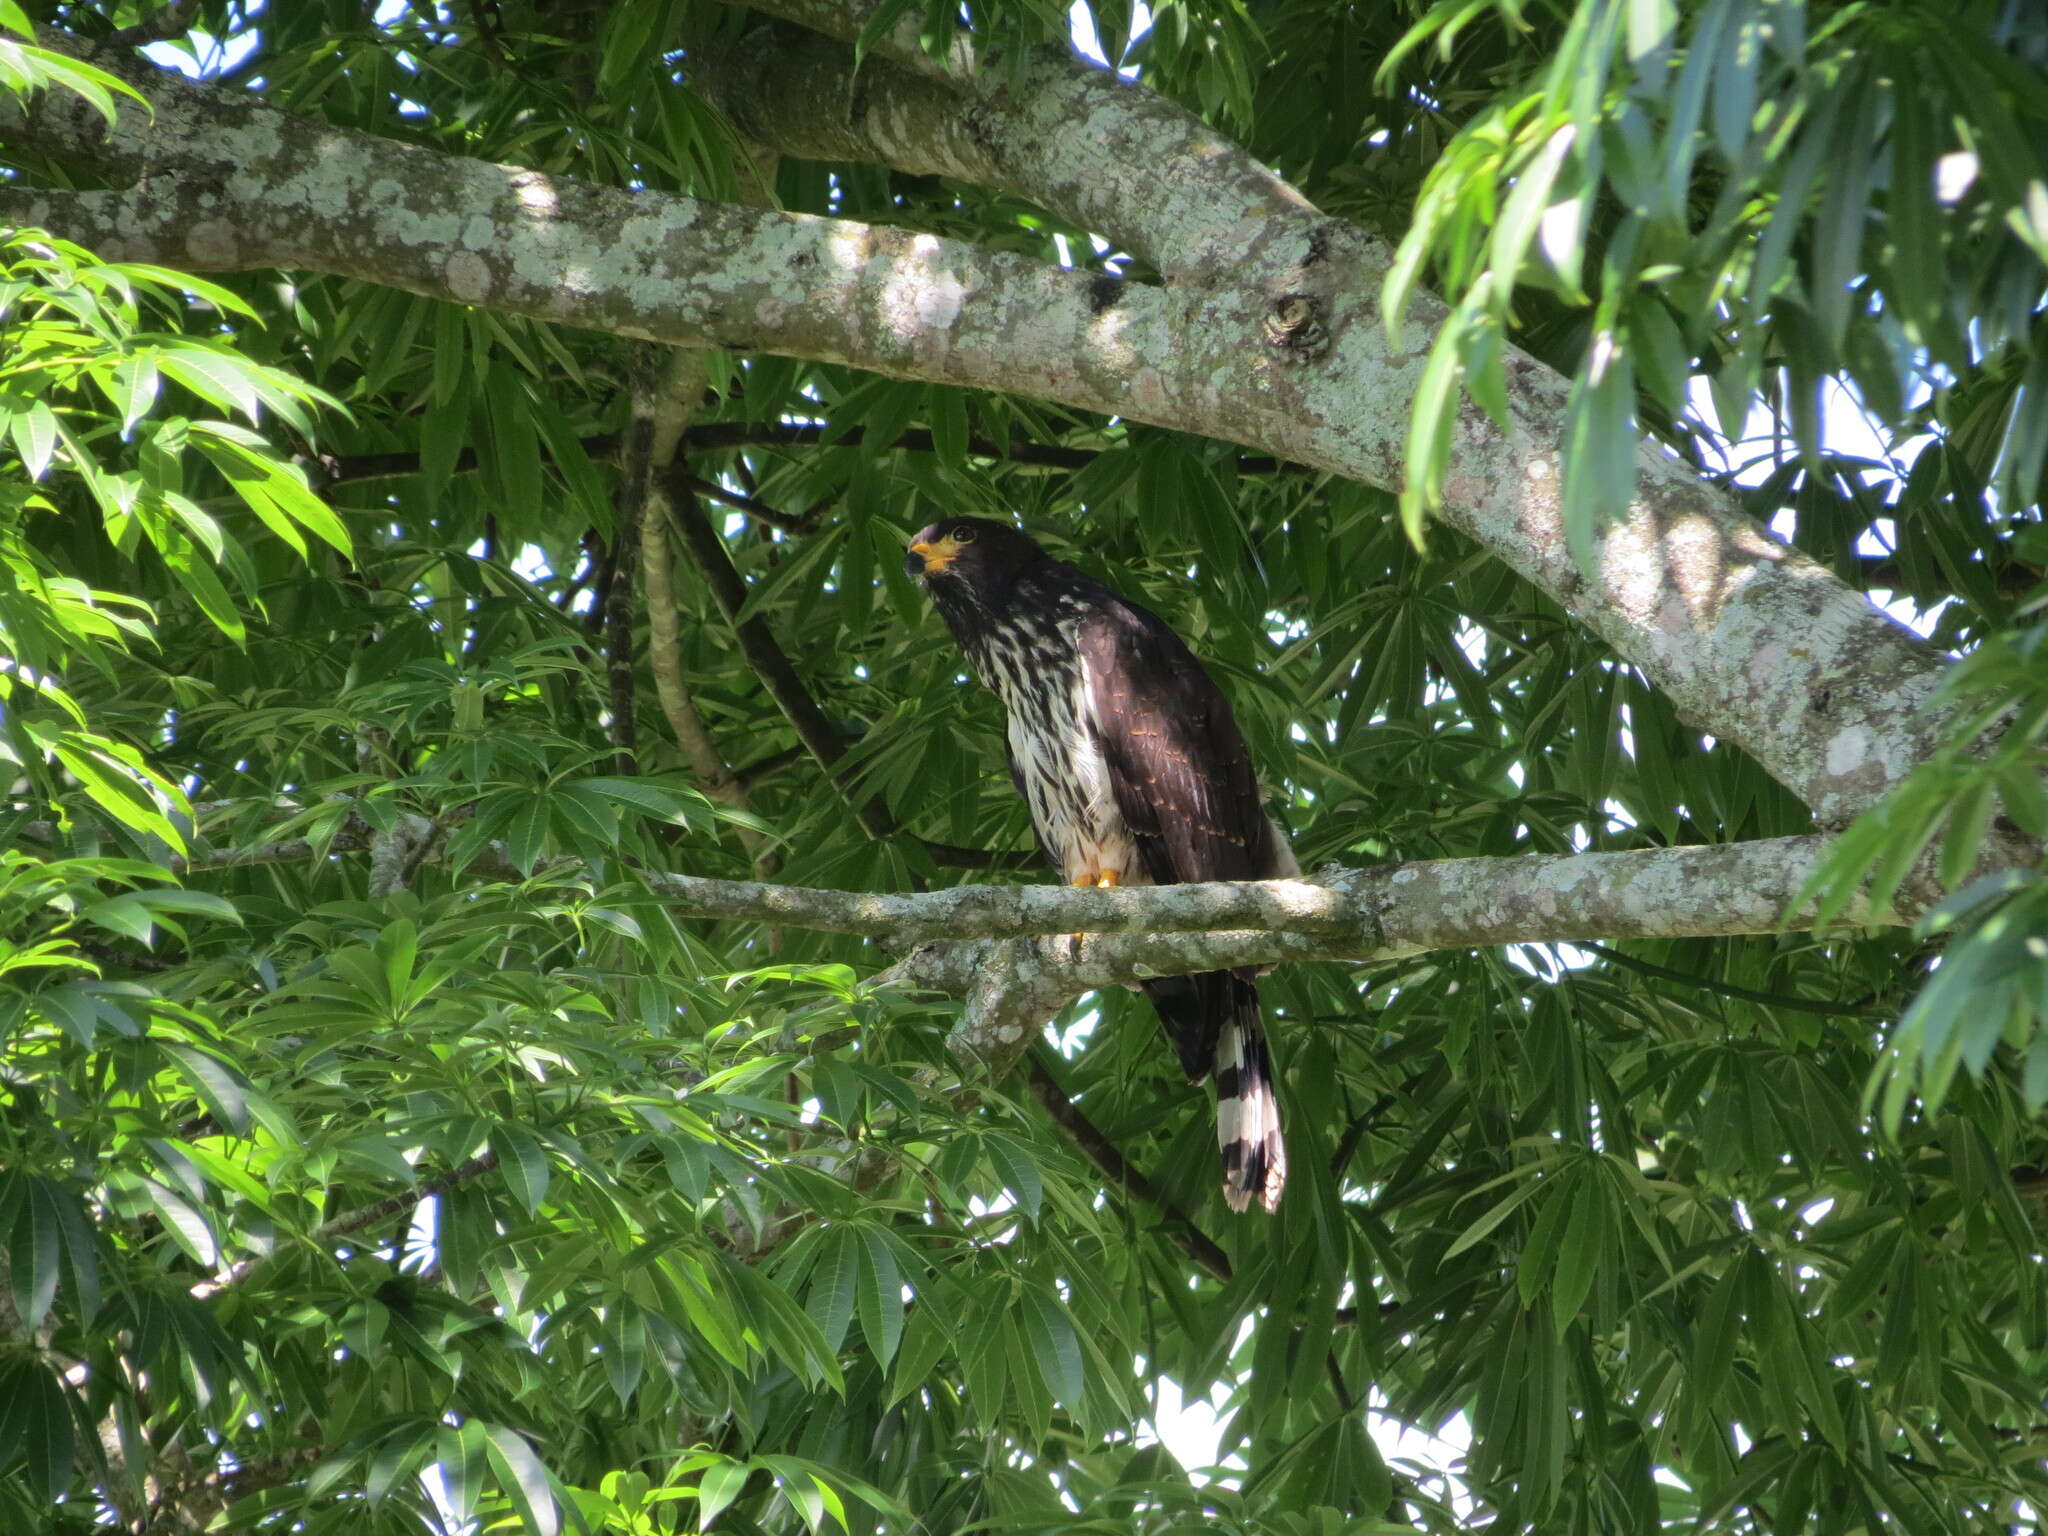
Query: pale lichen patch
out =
(213, 244)
(468, 276)
(410, 226)
(1848, 750)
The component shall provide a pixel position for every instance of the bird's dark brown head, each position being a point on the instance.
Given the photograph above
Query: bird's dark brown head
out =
(973, 553)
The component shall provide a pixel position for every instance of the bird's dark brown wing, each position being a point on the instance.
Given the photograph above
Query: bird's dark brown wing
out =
(1177, 762)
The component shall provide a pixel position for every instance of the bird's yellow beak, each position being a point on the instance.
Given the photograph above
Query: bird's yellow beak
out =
(936, 554)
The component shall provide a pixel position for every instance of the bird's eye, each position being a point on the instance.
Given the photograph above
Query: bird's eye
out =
(964, 534)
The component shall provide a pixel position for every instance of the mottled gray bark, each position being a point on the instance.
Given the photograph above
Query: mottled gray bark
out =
(1751, 641)
(1011, 985)
(1016, 955)
(1339, 914)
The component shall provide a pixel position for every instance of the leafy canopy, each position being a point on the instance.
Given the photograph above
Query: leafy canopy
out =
(380, 1153)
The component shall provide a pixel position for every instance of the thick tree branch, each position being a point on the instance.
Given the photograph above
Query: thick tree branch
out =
(1355, 914)
(1700, 597)
(1115, 158)
(1751, 640)
(1009, 951)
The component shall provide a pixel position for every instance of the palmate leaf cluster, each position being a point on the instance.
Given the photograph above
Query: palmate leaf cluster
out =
(381, 1154)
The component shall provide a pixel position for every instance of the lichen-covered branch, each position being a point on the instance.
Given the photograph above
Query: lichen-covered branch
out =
(1114, 157)
(677, 386)
(1751, 640)
(1354, 915)
(1340, 914)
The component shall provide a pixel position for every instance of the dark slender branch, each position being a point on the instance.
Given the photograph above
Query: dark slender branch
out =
(485, 33)
(1726, 988)
(1347, 1317)
(720, 436)
(365, 1216)
(173, 21)
(708, 553)
(383, 1210)
(620, 605)
(1344, 1399)
(605, 570)
(767, 767)
(728, 589)
(2012, 577)
(1103, 1152)
(1354, 1133)
(107, 954)
(795, 523)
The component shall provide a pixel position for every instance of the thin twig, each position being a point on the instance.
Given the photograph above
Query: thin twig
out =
(1102, 1152)
(752, 506)
(361, 1217)
(713, 561)
(1354, 1133)
(721, 578)
(1728, 988)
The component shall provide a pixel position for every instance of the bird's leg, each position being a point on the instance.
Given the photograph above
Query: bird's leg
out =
(1101, 880)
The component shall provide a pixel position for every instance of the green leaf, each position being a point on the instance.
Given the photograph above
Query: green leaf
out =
(1431, 420)
(523, 1478)
(523, 1162)
(1055, 1348)
(463, 1454)
(136, 381)
(624, 1342)
(1587, 1235)
(985, 1366)
(1013, 1165)
(188, 1226)
(880, 1295)
(660, 799)
(276, 492)
(527, 830)
(35, 434)
(1539, 1254)
(217, 1087)
(35, 1424)
(34, 1253)
(1501, 1210)
(1600, 443)
(927, 1337)
(721, 1483)
(834, 1277)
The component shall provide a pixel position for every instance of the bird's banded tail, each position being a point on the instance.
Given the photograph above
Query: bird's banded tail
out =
(1214, 1023)
(1247, 1108)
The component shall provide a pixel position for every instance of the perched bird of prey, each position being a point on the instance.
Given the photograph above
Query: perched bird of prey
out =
(1136, 774)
